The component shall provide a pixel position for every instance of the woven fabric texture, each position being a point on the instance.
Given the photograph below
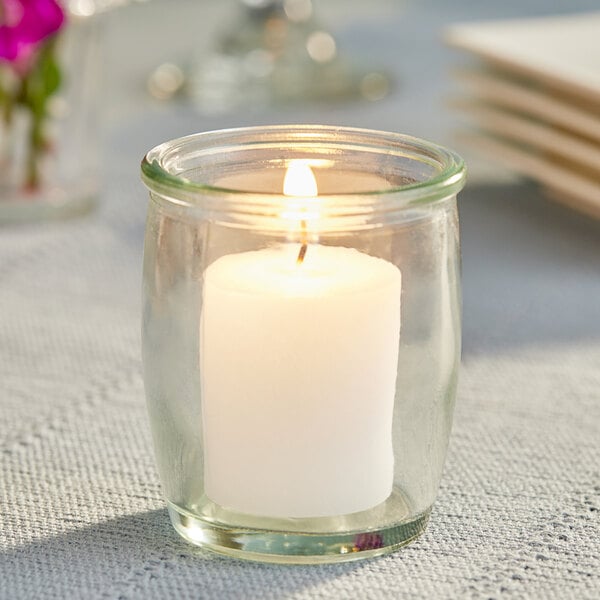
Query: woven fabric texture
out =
(81, 512)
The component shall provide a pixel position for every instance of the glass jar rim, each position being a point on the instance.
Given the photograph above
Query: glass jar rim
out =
(173, 188)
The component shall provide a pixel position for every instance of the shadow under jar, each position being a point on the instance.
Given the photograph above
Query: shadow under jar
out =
(301, 337)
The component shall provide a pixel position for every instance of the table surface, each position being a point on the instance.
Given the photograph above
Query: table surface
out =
(81, 512)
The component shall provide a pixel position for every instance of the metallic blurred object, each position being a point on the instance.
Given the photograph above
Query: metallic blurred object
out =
(165, 81)
(276, 52)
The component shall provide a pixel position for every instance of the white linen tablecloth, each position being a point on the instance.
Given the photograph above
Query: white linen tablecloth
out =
(81, 513)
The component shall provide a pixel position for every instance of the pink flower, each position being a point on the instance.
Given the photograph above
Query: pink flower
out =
(368, 541)
(24, 24)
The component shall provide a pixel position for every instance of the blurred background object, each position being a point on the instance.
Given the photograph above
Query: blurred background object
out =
(50, 104)
(48, 78)
(274, 52)
(535, 100)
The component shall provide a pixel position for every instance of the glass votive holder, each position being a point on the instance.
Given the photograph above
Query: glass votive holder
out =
(301, 337)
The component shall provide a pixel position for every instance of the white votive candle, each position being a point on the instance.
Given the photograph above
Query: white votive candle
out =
(298, 370)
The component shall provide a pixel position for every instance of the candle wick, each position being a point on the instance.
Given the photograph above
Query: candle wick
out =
(301, 254)
(304, 246)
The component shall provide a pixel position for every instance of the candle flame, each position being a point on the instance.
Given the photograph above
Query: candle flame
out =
(300, 182)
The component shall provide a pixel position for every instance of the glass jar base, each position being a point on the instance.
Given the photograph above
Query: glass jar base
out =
(46, 206)
(294, 547)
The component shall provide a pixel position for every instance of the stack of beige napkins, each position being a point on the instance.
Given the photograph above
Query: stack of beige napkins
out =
(534, 100)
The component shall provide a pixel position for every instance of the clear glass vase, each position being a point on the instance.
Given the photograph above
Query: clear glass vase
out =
(301, 337)
(48, 126)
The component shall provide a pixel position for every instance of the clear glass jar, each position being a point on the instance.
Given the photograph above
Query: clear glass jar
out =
(49, 136)
(301, 349)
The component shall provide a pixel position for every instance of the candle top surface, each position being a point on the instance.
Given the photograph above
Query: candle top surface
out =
(325, 271)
